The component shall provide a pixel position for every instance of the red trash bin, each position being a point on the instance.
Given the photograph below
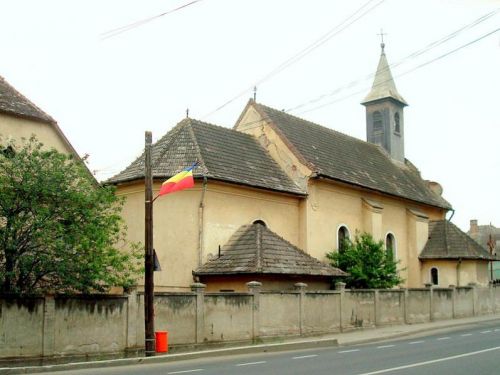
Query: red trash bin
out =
(161, 341)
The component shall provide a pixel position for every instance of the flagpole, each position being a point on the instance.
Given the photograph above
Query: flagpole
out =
(149, 324)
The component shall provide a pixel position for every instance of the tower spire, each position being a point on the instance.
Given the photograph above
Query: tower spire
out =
(383, 84)
(384, 110)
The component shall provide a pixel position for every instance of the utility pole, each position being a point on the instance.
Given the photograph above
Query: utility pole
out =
(149, 323)
(491, 246)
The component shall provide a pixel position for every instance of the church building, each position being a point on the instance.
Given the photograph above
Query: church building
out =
(274, 194)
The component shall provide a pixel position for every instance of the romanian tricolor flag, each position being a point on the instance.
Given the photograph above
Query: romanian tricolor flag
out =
(182, 180)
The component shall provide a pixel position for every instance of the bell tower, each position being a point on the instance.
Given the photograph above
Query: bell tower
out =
(384, 111)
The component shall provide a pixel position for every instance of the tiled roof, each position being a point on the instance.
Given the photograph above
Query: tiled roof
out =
(340, 157)
(447, 241)
(254, 249)
(223, 154)
(13, 102)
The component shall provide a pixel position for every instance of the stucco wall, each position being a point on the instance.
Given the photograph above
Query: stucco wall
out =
(228, 317)
(464, 303)
(453, 272)
(176, 313)
(279, 314)
(177, 224)
(18, 128)
(391, 307)
(442, 304)
(89, 325)
(238, 283)
(95, 325)
(322, 311)
(358, 309)
(21, 327)
(419, 306)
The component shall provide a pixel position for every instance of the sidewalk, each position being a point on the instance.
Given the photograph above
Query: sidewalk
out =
(361, 336)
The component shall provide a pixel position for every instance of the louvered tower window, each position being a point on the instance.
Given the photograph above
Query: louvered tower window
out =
(378, 128)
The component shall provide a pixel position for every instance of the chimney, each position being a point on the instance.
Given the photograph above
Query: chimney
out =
(474, 229)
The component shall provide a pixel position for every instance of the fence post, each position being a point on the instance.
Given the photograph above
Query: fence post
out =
(376, 304)
(406, 309)
(474, 299)
(132, 308)
(48, 333)
(340, 286)
(254, 287)
(199, 289)
(431, 301)
(453, 301)
(301, 288)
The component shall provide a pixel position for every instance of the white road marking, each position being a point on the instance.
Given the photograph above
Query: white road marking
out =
(497, 329)
(416, 342)
(488, 331)
(466, 334)
(385, 346)
(432, 361)
(185, 371)
(250, 363)
(305, 356)
(349, 351)
(443, 338)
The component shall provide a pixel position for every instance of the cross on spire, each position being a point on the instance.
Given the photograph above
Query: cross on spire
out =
(382, 38)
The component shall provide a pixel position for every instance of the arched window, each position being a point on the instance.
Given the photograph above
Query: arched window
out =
(261, 222)
(390, 245)
(378, 128)
(397, 127)
(342, 237)
(434, 276)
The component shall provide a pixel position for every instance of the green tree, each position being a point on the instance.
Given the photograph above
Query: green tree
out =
(368, 263)
(59, 230)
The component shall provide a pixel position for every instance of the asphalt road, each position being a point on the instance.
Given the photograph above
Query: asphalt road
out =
(474, 350)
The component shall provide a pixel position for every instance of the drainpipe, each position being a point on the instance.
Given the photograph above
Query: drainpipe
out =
(201, 208)
(452, 213)
(458, 270)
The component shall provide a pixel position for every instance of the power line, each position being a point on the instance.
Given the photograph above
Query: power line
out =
(119, 30)
(408, 71)
(305, 51)
(411, 56)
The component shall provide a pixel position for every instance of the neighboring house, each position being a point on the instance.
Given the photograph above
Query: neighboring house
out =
(488, 236)
(20, 118)
(304, 186)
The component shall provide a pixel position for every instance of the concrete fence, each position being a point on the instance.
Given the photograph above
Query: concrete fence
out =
(54, 326)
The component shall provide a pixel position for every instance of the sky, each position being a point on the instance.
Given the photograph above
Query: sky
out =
(315, 59)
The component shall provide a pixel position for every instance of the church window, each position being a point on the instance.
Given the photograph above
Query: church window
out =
(434, 276)
(378, 128)
(390, 245)
(342, 237)
(397, 127)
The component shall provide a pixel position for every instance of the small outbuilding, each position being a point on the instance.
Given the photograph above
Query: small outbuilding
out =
(255, 253)
(451, 257)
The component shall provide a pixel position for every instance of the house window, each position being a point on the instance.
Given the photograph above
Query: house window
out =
(378, 128)
(390, 245)
(397, 128)
(342, 237)
(434, 276)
